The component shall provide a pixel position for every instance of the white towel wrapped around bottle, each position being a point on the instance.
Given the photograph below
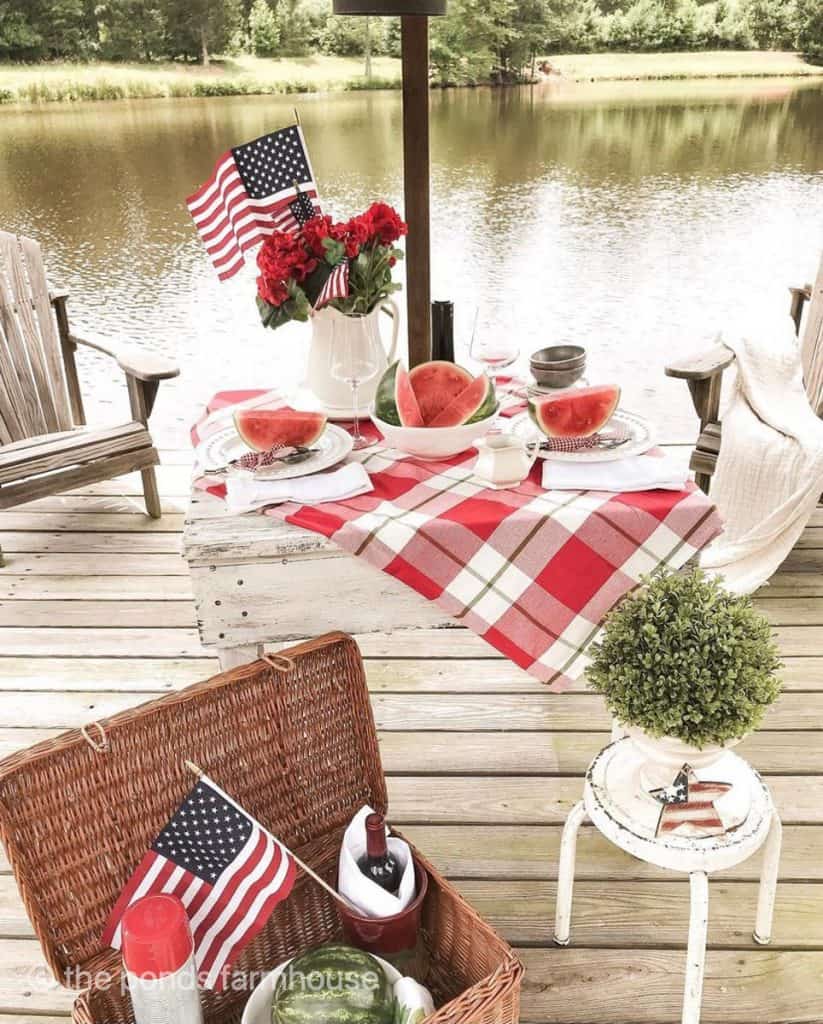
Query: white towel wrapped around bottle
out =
(367, 896)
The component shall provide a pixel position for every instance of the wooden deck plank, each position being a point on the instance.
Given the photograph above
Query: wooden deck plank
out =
(123, 614)
(25, 521)
(562, 986)
(97, 589)
(576, 986)
(648, 914)
(140, 675)
(91, 611)
(794, 641)
(420, 676)
(89, 543)
(445, 713)
(481, 754)
(50, 564)
(513, 800)
(561, 753)
(532, 852)
(54, 609)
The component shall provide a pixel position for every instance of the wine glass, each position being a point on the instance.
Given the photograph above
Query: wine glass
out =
(355, 358)
(493, 345)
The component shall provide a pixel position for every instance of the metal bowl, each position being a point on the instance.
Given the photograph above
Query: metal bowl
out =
(559, 357)
(557, 378)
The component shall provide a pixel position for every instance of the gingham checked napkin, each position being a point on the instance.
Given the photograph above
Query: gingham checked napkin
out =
(531, 571)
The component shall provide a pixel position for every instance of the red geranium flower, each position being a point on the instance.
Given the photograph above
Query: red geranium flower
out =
(282, 258)
(385, 223)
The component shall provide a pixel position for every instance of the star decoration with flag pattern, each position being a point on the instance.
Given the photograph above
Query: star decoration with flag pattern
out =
(688, 805)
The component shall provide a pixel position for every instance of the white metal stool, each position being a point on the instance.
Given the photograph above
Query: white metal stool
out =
(654, 828)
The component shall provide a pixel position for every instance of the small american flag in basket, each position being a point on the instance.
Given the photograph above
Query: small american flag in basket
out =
(225, 868)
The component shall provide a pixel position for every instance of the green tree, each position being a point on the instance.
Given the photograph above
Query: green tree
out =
(297, 24)
(466, 44)
(131, 29)
(200, 28)
(264, 30)
(771, 23)
(17, 37)
(808, 16)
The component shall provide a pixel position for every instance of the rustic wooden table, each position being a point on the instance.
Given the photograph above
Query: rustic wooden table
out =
(258, 580)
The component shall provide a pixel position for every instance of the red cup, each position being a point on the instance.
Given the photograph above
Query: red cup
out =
(156, 936)
(387, 935)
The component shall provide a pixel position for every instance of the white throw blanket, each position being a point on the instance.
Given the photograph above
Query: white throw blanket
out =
(769, 472)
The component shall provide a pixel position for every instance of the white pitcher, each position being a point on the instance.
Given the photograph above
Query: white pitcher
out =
(336, 394)
(504, 460)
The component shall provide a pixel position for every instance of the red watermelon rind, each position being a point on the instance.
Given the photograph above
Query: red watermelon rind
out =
(474, 403)
(578, 412)
(436, 384)
(262, 429)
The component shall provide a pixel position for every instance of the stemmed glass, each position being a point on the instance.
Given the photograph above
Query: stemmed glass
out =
(354, 358)
(492, 345)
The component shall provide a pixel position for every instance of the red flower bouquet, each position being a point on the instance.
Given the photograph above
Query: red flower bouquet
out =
(346, 265)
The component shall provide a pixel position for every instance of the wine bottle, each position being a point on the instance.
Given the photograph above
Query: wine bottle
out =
(377, 863)
(443, 330)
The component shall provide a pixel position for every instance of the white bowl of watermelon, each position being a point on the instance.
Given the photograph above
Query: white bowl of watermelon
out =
(435, 411)
(304, 999)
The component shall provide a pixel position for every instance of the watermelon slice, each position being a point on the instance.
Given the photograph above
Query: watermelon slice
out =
(263, 429)
(475, 402)
(578, 412)
(435, 384)
(394, 400)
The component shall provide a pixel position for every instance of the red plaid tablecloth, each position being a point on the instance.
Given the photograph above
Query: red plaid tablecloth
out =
(531, 571)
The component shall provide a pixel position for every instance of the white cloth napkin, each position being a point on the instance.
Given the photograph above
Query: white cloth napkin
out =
(246, 493)
(652, 471)
(370, 898)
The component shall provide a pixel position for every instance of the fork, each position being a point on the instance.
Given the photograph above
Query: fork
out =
(254, 460)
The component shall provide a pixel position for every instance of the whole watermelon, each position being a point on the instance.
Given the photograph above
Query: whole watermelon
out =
(333, 984)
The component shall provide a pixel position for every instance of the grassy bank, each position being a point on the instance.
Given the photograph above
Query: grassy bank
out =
(45, 83)
(603, 67)
(242, 76)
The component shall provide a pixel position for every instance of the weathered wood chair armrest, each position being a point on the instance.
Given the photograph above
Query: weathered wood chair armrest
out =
(702, 365)
(133, 361)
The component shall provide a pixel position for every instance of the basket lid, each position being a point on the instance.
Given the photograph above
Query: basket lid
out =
(292, 739)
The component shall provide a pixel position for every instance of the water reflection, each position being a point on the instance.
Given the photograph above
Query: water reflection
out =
(636, 218)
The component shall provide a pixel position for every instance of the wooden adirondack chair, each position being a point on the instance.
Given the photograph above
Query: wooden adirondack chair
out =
(45, 446)
(704, 374)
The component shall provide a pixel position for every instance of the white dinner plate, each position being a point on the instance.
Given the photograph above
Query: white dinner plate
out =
(258, 1008)
(640, 431)
(225, 445)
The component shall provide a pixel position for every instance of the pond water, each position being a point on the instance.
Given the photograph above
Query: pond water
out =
(637, 219)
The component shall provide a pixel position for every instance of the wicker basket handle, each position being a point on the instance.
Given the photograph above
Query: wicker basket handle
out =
(279, 662)
(100, 745)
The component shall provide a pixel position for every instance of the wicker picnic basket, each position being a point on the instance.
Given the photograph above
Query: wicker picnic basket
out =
(292, 739)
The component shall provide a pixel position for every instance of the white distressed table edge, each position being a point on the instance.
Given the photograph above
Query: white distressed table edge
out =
(257, 580)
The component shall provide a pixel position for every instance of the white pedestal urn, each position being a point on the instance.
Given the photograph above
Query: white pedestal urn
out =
(659, 758)
(360, 332)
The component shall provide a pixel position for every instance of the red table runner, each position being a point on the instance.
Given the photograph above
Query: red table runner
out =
(531, 571)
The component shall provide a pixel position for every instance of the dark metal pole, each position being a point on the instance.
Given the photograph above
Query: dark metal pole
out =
(415, 51)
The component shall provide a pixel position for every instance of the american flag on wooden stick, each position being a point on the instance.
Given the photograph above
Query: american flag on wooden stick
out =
(263, 185)
(336, 286)
(228, 871)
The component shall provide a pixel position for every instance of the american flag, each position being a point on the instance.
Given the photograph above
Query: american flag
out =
(229, 872)
(251, 193)
(303, 208)
(336, 286)
(688, 805)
